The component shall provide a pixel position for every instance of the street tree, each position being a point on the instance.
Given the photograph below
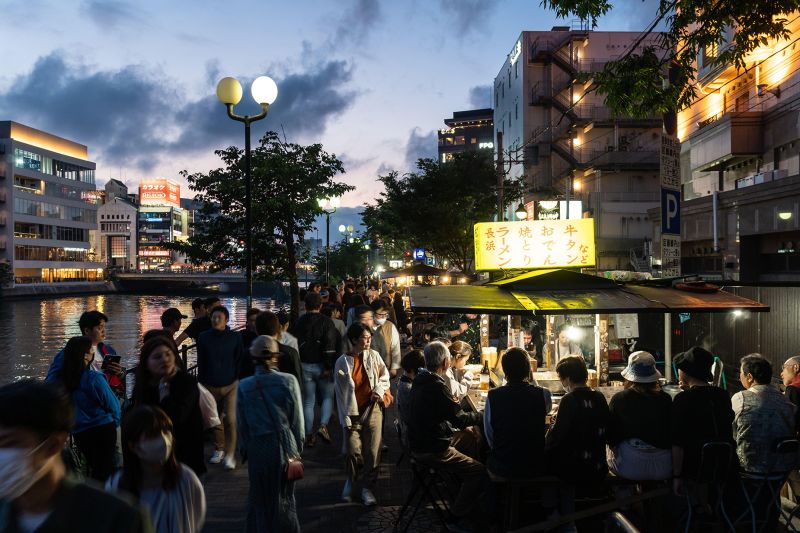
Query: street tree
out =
(347, 259)
(436, 206)
(288, 179)
(724, 31)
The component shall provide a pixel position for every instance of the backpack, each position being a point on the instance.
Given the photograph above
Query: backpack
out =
(310, 347)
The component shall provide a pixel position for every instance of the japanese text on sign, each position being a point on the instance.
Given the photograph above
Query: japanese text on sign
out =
(534, 244)
(159, 191)
(670, 256)
(670, 161)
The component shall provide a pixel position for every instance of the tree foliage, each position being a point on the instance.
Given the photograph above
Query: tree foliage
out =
(437, 206)
(347, 260)
(634, 84)
(287, 181)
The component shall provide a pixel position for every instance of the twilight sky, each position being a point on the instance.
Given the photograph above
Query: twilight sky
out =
(371, 80)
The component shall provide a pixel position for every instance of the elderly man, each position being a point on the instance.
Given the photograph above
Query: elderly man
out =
(432, 413)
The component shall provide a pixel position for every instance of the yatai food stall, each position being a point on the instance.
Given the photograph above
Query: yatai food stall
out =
(539, 264)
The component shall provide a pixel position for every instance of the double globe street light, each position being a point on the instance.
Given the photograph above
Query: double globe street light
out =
(328, 205)
(264, 92)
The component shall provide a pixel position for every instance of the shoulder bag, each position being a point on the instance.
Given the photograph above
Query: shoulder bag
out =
(294, 469)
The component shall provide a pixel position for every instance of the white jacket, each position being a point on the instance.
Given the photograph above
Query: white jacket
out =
(344, 386)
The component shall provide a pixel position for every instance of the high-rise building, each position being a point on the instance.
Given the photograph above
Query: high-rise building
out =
(467, 130)
(48, 206)
(740, 140)
(161, 221)
(554, 131)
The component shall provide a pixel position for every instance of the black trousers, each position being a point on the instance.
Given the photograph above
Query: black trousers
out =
(99, 446)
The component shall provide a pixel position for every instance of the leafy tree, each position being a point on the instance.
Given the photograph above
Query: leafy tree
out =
(287, 181)
(347, 259)
(437, 206)
(634, 84)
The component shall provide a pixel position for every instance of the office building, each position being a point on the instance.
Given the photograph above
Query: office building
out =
(467, 130)
(161, 220)
(116, 237)
(740, 140)
(48, 206)
(556, 133)
(115, 189)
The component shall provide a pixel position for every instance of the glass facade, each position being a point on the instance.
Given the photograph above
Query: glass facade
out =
(25, 230)
(47, 165)
(24, 252)
(48, 210)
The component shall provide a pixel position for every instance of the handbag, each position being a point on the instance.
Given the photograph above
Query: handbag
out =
(294, 469)
(75, 460)
(208, 408)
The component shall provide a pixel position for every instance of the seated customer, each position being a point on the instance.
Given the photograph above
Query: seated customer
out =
(432, 413)
(575, 446)
(514, 420)
(460, 352)
(700, 414)
(762, 417)
(410, 363)
(639, 446)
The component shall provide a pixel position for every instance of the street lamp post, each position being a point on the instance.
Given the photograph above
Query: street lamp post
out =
(264, 92)
(329, 206)
(347, 231)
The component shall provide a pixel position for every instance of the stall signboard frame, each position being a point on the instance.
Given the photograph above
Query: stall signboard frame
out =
(533, 244)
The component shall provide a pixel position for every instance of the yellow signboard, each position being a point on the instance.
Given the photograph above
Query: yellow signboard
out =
(534, 244)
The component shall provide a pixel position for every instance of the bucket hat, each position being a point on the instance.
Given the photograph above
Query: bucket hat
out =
(696, 362)
(641, 368)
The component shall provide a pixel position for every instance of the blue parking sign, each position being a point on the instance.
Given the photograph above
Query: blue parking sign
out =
(670, 211)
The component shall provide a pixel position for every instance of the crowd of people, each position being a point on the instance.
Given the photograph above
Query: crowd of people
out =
(268, 391)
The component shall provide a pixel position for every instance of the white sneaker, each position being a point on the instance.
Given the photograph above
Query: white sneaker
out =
(368, 498)
(217, 457)
(347, 492)
(230, 463)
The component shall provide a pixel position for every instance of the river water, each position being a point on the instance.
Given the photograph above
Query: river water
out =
(33, 331)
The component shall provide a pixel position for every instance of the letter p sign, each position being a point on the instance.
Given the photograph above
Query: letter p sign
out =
(670, 211)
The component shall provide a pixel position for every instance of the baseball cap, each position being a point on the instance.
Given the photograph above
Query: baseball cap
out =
(173, 313)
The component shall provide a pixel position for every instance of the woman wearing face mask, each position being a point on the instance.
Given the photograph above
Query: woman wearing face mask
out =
(387, 338)
(171, 492)
(161, 383)
(97, 408)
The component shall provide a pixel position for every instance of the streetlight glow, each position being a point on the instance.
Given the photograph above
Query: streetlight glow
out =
(785, 215)
(264, 90)
(229, 91)
(521, 213)
(342, 228)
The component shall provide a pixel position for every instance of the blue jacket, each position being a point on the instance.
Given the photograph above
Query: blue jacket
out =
(95, 402)
(219, 357)
(58, 360)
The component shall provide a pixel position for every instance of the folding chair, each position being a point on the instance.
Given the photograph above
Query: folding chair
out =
(429, 485)
(715, 466)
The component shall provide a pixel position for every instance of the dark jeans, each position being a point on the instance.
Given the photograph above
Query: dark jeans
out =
(99, 446)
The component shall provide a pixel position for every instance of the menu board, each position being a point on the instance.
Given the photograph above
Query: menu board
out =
(531, 244)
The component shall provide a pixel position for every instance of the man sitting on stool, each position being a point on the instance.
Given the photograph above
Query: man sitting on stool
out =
(433, 412)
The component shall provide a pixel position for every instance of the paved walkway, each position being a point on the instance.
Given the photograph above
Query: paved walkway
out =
(319, 507)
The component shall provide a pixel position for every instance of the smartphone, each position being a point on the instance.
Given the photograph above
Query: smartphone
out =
(112, 359)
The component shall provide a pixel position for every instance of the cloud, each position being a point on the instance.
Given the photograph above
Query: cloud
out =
(109, 14)
(421, 145)
(135, 116)
(480, 96)
(469, 15)
(633, 15)
(357, 22)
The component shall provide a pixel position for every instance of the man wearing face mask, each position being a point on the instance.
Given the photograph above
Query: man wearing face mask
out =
(35, 493)
(387, 333)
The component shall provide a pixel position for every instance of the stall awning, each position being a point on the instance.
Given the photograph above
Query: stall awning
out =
(418, 269)
(563, 292)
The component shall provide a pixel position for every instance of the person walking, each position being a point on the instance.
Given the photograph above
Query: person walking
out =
(318, 340)
(219, 359)
(160, 382)
(169, 490)
(268, 324)
(271, 431)
(361, 380)
(97, 408)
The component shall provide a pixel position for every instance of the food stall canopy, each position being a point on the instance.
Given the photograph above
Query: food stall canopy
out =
(565, 292)
(418, 269)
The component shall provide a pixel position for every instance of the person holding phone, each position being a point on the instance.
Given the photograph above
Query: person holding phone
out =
(104, 358)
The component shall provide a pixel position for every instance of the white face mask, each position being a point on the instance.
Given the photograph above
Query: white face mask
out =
(16, 472)
(380, 321)
(155, 449)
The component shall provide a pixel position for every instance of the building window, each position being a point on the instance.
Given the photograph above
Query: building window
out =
(24, 252)
(473, 140)
(26, 159)
(459, 140)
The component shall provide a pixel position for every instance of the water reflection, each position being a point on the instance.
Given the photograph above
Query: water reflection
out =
(33, 331)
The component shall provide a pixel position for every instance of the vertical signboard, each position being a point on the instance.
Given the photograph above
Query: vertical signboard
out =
(159, 192)
(670, 206)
